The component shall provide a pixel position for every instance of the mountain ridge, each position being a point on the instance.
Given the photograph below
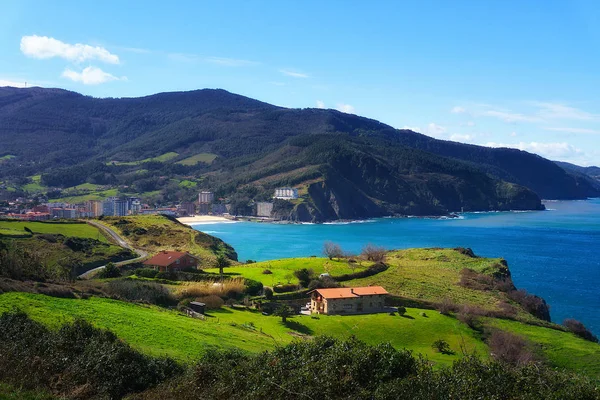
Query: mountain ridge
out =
(258, 146)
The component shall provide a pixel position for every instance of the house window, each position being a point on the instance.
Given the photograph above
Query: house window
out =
(347, 306)
(177, 262)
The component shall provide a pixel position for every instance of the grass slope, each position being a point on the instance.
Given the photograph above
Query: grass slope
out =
(283, 270)
(207, 158)
(67, 229)
(563, 349)
(158, 332)
(155, 233)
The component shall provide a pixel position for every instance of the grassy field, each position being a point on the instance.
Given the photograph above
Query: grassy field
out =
(66, 229)
(202, 157)
(161, 332)
(433, 275)
(95, 195)
(162, 158)
(158, 331)
(155, 233)
(563, 349)
(35, 186)
(283, 270)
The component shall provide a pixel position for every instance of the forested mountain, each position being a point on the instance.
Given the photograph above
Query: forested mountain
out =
(345, 166)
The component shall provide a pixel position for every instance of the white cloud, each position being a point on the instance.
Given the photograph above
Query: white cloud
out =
(510, 117)
(561, 111)
(90, 76)
(513, 134)
(575, 130)
(320, 104)
(43, 47)
(552, 151)
(230, 62)
(13, 84)
(435, 130)
(462, 138)
(345, 108)
(293, 74)
(458, 110)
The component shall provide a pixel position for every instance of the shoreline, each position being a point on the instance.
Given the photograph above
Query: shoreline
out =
(203, 219)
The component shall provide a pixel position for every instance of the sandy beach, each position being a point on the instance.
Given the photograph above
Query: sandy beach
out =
(201, 219)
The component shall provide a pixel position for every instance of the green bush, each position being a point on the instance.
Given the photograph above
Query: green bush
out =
(78, 356)
(253, 288)
(133, 290)
(285, 288)
(109, 271)
(146, 272)
(268, 293)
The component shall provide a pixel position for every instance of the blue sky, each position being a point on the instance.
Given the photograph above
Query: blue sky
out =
(518, 74)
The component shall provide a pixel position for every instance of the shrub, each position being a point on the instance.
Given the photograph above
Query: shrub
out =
(332, 250)
(534, 305)
(447, 306)
(146, 272)
(212, 302)
(467, 251)
(233, 288)
(324, 282)
(580, 330)
(132, 290)
(474, 280)
(401, 310)
(250, 261)
(267, 272)
(166, 275)
(84, 360)
(372, 270)
(510, 348)
(109, 271)
(285, 288)
(304, 275)
(374, 253)
(268, 293)
(441, 346)
(253, 288)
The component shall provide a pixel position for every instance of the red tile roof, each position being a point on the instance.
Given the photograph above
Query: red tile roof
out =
(346, 293)
(165, 258)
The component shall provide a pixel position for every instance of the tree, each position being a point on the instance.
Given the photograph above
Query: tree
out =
(304, 275)
(268, 293)
(373, 253)
(222, 262)
(284, 311)
(110, 271)
(332, 250)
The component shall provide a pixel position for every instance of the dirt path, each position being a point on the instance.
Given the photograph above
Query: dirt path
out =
(119, 241)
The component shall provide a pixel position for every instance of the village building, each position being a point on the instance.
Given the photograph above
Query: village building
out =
(286, 193)
(264, 209)
(171, 261)
(369, 299)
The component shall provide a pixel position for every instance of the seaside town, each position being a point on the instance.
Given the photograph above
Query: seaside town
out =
(36, 209)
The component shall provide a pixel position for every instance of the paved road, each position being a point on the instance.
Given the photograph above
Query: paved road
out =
(121, 242)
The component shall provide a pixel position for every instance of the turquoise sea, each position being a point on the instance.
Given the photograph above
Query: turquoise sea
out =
(553, 253)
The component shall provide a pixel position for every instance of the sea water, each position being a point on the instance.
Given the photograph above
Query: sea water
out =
(552, 253)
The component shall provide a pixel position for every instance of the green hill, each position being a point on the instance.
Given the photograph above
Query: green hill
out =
(54, 250)
(346, 166)
(154, 233)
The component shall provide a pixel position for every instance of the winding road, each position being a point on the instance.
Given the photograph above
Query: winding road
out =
(142, 254)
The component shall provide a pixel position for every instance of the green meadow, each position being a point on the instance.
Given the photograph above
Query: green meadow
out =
(67, 229)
